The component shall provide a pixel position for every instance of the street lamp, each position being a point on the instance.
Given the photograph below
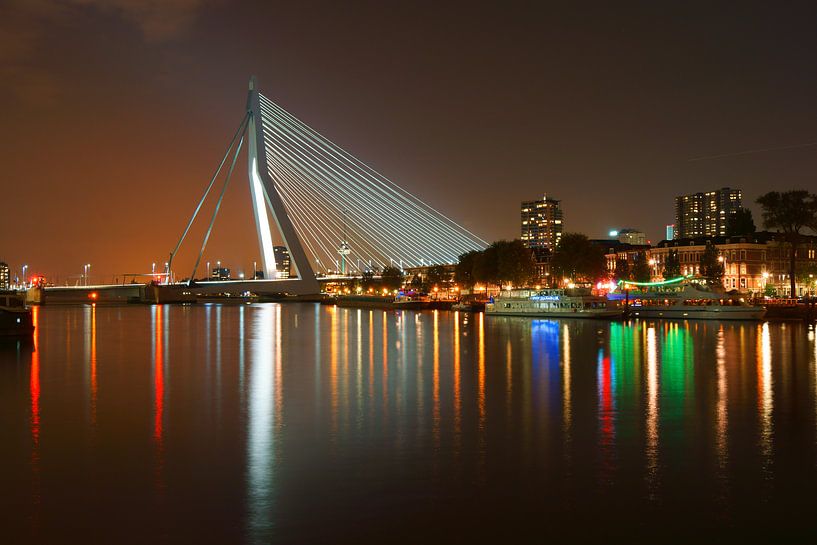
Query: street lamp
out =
(88, 273)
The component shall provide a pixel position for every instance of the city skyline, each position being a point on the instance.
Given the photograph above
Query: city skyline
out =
(130, 145)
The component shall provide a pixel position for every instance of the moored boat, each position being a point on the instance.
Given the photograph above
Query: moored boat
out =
(15, 317)
(412, 301)
(553, 303)
(689, 302)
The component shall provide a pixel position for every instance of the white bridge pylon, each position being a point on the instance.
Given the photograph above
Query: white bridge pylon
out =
(333, 212)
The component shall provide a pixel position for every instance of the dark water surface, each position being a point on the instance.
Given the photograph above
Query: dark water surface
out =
(302, 423)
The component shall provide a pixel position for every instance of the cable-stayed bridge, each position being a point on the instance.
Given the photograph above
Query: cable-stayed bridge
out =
(333, 212)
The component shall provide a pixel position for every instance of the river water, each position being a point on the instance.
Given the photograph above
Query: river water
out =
(301, 423)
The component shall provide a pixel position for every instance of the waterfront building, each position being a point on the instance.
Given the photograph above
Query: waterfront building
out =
(542, 223)
(5, 276)
(282, 261)
(756, 263)
(615, 251)
(705, 214)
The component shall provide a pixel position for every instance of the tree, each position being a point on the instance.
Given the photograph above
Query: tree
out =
(486, 269)
(789, 213)
(367, 279)
(740, 223)
(392, 278)
(672, 265)
(437, 274)
(464, 269)
(641, 269)
(515, 263)
(578, 258)
(807, 275)
(712, 266)
(622, 271)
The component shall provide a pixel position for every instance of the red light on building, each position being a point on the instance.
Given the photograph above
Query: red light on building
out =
(93, 296)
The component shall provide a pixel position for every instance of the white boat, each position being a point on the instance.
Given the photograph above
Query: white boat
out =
(689, 302)
(553, 303)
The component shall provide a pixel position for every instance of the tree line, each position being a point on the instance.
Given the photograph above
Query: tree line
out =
(503, 262)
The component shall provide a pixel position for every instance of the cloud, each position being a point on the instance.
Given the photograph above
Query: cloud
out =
(24, 22)
(159, 20)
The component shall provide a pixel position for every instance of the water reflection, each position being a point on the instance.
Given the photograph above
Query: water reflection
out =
(764, 391)
(264, 406)
(721, 409)
(34, 383)
(652, 411)
(567, 409)
(90, 350)
(607, 415)
(323, 418)
(34, 392)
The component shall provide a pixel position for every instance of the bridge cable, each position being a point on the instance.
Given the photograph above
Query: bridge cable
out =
(397, 225)
(220, 198)
(240, 130)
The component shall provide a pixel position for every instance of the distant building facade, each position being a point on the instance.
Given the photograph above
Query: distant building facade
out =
(705, 214)
(5, 276)
(670, 232)
(632, 236)
(752, 263)
(283, 262)
(542, 224)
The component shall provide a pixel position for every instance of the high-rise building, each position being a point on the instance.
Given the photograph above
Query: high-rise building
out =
(705, 214)
(542, 224)
(5, 279)
(670, 232)
(282, 261)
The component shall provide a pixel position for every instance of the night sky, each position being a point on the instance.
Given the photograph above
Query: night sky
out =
(115, 112)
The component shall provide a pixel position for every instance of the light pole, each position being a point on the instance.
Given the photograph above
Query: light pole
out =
(254, 270)
(25, 267)
(208, 271)
(88, 273)
(723, 263)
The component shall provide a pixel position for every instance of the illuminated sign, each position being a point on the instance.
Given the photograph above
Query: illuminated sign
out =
(545, 298)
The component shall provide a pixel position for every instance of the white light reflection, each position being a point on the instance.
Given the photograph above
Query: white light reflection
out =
(721, 410)
(261, 412)
(764, 391)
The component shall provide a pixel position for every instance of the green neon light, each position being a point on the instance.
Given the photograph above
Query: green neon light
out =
(662, 283)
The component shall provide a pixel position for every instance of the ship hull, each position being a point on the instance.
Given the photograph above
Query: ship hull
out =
(15, 323)
(537, 313)
(692, 313)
